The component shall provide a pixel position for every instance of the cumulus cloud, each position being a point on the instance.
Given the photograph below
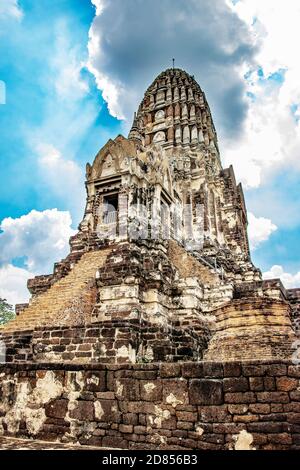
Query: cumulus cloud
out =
(289, 280)
(259, 230)
(40, 238)
(10, 8)
(249, 42)
(271, 135)
(13, 284)
(99, 4)
(130, 42)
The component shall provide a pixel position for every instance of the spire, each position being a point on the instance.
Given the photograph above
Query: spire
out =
(134, 132)
(174, 113)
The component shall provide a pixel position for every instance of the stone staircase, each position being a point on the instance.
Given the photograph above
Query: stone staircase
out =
(44, 309)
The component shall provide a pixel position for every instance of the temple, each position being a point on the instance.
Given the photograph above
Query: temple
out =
(161, 260)
(160, 271)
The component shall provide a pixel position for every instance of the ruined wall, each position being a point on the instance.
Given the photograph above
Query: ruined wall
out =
(294, 299)
(149, 406)
(252, 328)
(114, 342)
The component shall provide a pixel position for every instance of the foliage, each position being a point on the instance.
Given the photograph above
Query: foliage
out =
(7, 312)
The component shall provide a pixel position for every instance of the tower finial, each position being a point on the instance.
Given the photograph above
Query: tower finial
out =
(173, 60)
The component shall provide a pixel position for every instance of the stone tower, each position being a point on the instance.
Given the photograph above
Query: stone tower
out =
(160, 269)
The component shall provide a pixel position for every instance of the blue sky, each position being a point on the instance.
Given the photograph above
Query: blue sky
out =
(75, 71)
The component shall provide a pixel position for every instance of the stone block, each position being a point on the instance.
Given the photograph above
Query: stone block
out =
(256, 384)
(232, 369)
(56, 408)
(84, 411)
(95, 381)
(202, 369)
(214, 414)
(186, 416)
(168, 370)
(239, 397)
(238, 409)
(273, 397)
(175, 392)
(294, 371)
(260, 408)
(107, 411)
(236, 384)
(126, 428)
(206, 392)
(286, 384)
(151, 390)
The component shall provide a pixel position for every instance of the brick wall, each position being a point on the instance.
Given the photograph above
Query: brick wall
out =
(294, 299)
(115, 341)
(155, 406)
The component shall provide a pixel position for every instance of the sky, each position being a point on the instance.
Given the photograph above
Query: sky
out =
(72, 73)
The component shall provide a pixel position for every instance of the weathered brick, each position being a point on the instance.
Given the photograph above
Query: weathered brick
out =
(254, 370)
(95, 381)
(236, 385)
(214, 414)
(294, 418)
(168, 370)
(280, 438)
(84, 411)
(273, 397)
(206, 392)
(245, 418)
(294, 371)
(151, 390)
(107, 411)
(238, 409)
(175, 392)
(186, 416)
(184, 425)
(276, 369)
(260, 408)
(232, 369)
(269, 384)
(202, 369)
(286, 384)
(236, 398)
(130, 418)
(127, 389)
(56, 408)
(256, 384)
(264, 427)
(126, 428)
(114, 442)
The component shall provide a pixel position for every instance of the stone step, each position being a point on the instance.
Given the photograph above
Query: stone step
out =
(10, 443)
(60, 295)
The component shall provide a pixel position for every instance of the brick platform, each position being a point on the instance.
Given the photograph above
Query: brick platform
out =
(209, 406)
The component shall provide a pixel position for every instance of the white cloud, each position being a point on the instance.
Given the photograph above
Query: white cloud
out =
(259, 230)
(289, 280)
(67, 65)
(10, 8)
(60, 178)
(39, 237)
(271, 135)
(13, 284)
(63, 176)
(99, 4)
(132, 41)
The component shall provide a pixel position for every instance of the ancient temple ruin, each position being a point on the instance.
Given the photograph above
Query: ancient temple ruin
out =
(160, 270)
(160, 266)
